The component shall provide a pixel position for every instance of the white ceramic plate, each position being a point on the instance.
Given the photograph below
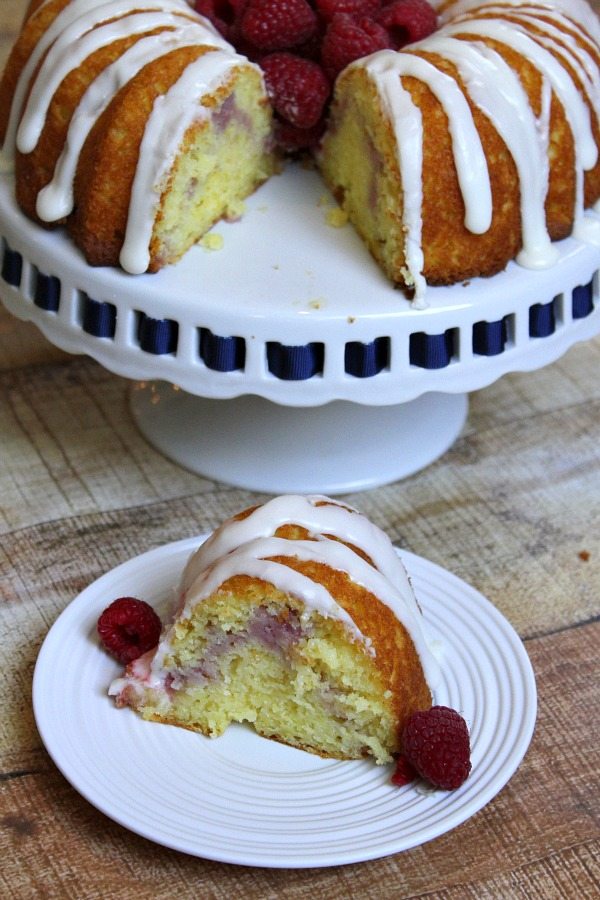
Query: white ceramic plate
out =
(246, 800)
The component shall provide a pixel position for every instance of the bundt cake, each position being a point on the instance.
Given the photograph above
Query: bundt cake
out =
(298, 617)
(136, 124)
(474, 146)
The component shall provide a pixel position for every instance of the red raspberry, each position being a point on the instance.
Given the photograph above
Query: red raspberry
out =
(348, 38)
(436, 743)
(298, 88)
(404, 773)
(329, 8)
(224, 14)
(278, 24)
(292, 139)
(407, 21)
(128, 628)
(311, 49)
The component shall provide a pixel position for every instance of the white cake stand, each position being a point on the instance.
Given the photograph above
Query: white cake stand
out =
(286, 361)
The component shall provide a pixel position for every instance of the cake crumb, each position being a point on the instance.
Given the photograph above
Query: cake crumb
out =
(337, 217)
(212, 242)
(235, 211)
(584, 555)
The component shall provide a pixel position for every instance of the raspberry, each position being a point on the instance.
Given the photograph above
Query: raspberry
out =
(128, 628)
(298, 88)
(224, 14)
(407, 21)
(311, 49)
(292, 139)
(329, 8)
(278, 24)
(348, 38)
(404, 773)
(436, 743)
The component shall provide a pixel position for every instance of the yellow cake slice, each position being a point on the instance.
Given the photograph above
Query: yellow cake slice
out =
(297, 617)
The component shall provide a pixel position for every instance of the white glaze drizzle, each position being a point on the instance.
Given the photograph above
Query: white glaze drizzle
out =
(55, 200)
(243, 547)
(573, 10)
(386, 68)
(575, 108)
(402, 113)
(320, 516)
(239, 544)
(251, 559)
(469, 157)
(584, 228)
(67, 54)
(495, 89)
(171, 116)
(76, 18)
(544, 19)
(568, 47)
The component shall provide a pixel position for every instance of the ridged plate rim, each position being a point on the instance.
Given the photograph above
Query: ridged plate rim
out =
(245, 800)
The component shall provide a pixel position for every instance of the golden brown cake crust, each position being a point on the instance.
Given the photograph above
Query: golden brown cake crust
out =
(310, 657)
(451, 252)
(107, 163)
(34, 170)
(395, 656)
(395, 659)
(109, 158)
(33, 28)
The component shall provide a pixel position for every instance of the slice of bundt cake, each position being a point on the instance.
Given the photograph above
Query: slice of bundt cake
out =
(474, 146)
(298, 617)
(136, 124)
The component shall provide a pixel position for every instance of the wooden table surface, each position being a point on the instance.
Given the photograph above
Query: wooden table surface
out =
(513, 508)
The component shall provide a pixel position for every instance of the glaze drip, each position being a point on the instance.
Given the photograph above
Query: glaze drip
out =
(557, 39)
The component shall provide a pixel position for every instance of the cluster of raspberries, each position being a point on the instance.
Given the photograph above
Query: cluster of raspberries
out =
(302, 45)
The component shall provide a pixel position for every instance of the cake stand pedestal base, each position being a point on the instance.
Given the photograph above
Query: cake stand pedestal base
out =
(340, 447)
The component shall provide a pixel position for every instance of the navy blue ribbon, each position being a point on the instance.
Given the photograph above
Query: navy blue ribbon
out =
(12, 267)
(223, 354)
(583, 300)
(157, 336)
(431, 351)
(542, 321)
(366, 360)
(489, 338)
(99, 319)
(295, 363)
(47, 292)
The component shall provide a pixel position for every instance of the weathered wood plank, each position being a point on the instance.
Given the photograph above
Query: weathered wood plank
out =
(539, 837)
